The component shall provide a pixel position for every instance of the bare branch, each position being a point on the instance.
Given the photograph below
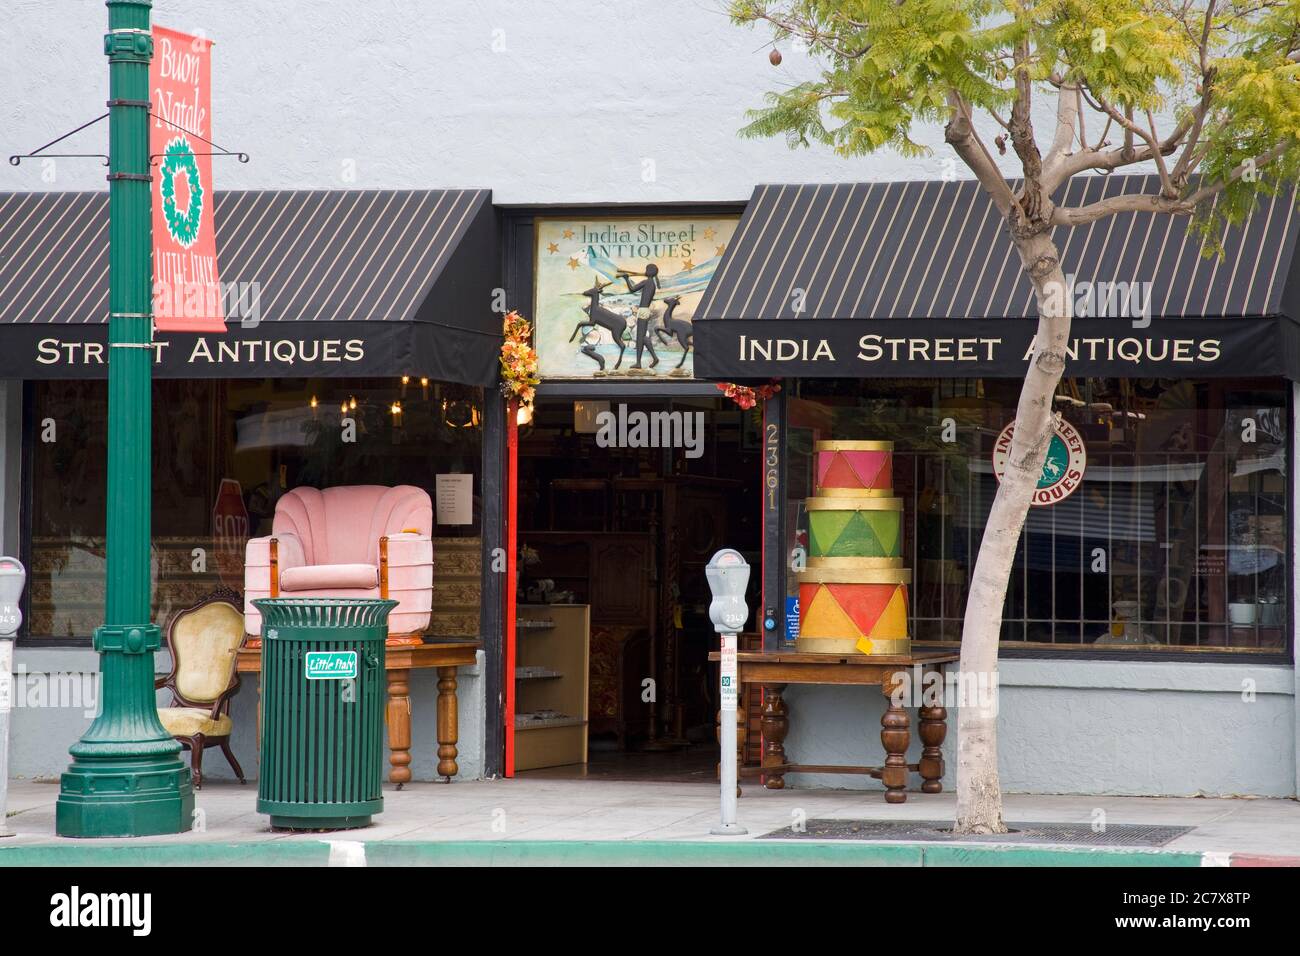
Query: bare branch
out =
(1101, 140)
(1109, 160)
(1067, 115)
(1258, 162)
(1146, 202)
(1204, 47)
(961, 136)
(1165, 182)
(1135, 202)
(809, 32)
(1021, 131)
(1078, 108)
(1186, 162)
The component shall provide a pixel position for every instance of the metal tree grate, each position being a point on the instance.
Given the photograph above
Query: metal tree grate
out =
(940, 831)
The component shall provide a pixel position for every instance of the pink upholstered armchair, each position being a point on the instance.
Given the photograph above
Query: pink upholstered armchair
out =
(352, 541)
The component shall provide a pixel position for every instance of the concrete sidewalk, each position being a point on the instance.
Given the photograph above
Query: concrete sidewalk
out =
(610, 822)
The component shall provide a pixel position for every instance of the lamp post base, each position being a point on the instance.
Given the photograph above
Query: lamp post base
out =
(126, 778)
(125, 797)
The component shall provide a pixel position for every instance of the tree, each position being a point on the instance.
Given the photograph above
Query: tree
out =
(1221, 77)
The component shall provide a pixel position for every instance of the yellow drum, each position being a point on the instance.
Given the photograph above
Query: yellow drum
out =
(853, 610)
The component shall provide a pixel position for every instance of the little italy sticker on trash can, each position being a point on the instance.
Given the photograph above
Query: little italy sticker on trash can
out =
(331, 665)
(1063, 469)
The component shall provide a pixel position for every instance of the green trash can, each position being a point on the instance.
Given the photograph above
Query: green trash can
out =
(321, 762)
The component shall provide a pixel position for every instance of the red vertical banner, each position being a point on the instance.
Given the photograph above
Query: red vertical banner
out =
(186, 290)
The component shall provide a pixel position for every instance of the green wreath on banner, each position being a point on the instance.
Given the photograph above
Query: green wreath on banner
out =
(178, 157)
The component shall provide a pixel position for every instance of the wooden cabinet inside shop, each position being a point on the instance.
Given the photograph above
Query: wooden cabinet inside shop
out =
(551, 651)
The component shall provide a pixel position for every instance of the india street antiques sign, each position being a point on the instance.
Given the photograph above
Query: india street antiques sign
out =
(615, 297)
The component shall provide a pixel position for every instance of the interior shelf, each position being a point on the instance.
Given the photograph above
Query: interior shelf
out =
(522, 722)
(536, 673)
(551, 679)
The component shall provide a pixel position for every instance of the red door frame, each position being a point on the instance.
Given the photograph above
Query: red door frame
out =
(512, 553)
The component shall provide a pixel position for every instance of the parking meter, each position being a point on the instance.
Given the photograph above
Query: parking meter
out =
(12, 578)
(728, 576)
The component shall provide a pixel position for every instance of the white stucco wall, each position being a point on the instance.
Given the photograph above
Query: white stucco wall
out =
(41, 734)
(556, 102)
(1089, 727)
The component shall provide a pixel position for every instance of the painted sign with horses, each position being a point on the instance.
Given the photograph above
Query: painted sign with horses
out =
(615, 297)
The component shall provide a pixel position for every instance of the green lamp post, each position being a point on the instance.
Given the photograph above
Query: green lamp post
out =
(126, 776)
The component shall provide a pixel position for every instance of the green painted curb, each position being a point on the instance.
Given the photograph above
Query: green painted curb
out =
(639, 853)
(269, 853)
(1005, 855)
(291, 852)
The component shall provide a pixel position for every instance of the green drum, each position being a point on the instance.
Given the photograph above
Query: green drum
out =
(855, 527)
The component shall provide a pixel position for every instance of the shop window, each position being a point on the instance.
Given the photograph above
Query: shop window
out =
(223, 454)
(1176, 539)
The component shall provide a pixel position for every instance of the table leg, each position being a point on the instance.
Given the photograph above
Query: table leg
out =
(933, 728)
(399, 726)
(894, 735)
(448, 729)
(776, 724)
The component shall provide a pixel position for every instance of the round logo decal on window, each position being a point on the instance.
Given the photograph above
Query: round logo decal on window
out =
(1067, 459)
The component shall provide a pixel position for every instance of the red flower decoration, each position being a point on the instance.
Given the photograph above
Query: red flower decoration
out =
(747, 397)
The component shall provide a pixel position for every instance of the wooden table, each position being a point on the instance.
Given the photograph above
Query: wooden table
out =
(399, 661)
(773, 672)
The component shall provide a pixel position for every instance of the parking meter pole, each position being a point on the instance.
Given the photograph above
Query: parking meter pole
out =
(12, 579)
(727, 738)
(728, 575)
(6, 702)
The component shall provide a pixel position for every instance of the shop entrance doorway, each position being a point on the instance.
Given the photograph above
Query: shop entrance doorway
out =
(621, 504)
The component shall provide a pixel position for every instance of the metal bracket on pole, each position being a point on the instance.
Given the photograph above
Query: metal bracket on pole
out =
(728, 576)
(221, 150)
(12, 578)
(40, 153)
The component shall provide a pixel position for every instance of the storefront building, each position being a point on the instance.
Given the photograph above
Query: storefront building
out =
(360, 349)
(1148, 633)
(1149, 630)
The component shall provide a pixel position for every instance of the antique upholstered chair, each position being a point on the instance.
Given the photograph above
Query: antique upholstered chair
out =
(352, 541)
(203, 641)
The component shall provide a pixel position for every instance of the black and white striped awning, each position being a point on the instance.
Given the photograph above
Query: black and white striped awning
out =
(911, 262)
(346, 283)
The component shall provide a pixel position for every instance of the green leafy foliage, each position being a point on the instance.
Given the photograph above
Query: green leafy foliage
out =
(888, 65)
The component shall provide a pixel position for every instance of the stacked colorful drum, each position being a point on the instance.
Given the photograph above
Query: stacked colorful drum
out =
(853, 595)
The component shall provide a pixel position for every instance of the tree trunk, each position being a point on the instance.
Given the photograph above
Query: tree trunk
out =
(979, 793)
